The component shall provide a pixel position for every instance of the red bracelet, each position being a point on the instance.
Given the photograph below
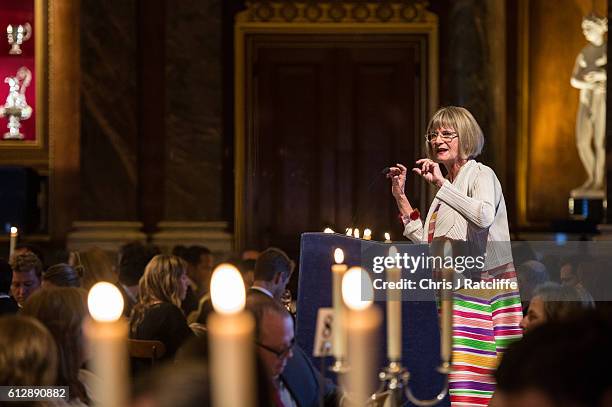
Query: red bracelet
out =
(414, 215)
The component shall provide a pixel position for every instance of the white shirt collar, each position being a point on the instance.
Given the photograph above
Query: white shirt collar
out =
(263, 290)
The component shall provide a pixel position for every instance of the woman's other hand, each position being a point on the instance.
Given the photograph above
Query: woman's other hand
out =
(430, 171)
(398, 180)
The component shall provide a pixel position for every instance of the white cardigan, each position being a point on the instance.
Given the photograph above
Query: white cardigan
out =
(473, 209)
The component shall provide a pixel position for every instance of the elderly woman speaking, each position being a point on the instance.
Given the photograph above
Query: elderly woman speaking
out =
(469, 206)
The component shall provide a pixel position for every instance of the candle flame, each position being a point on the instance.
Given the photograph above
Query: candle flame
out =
(367, 233)
(356, 285)
(227, 289)
(13, 230)
(349, 231)
(387, 236)
(105, 302)
(356, 233)
(338, 256)
(328, 230)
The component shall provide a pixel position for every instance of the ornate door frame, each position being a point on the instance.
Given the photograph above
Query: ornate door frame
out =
(292, 17)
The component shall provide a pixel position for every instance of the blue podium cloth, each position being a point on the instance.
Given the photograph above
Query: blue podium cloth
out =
(420, 327)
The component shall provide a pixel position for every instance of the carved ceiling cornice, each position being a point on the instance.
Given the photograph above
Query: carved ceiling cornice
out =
(410, 11)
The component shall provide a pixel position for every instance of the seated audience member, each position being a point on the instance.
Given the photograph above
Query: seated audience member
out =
(94, 265)
(62, 311)
(179, 251)
(8, 305)
(28, 248)
(28, 354)
(559, 364)
(273, 270)
(133, 258)
(61, 275)
(570, 275)
(296, 382)
(199, 270)
(530, 274)
(27, 273)
(552, 302)
(157, 315)
(184, 385)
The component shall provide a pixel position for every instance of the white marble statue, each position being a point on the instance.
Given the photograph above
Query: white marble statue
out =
(589, 76)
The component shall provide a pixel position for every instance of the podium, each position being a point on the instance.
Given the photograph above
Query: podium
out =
(420, 326)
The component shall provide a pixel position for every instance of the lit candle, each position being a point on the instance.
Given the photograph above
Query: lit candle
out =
(339, 331)
(367, 234)
(356, 233)
(13, 241)
(349, 231)
(446, 300)
(328, 230)
(394, 313)
(362, 323)
(230, 334)
(387, 237)
(107, 335)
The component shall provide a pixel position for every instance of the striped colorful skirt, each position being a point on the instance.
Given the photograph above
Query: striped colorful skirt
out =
(485, 322)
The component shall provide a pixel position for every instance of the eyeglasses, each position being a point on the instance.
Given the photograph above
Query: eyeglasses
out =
(279, 353)
(445, 135)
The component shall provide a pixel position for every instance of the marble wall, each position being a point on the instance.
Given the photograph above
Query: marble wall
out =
(109, 123)
(112, 108)
(193, 159)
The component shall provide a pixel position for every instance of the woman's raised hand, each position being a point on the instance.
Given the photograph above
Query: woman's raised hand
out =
(398, 179)
(430, 171)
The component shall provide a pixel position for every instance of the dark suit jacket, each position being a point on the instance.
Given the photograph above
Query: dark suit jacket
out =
(304, 382)
(301, 378)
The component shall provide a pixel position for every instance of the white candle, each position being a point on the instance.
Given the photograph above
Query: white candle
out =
(339, 330)
(230, 334)
(107, 335)
(367, 234)
(328, 230)
(13, 241)
(387, 237)
(362, 322)
(356, 233)
(394, 313)
(446, 300)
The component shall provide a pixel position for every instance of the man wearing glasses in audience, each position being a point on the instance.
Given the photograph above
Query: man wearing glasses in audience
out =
(295, 380)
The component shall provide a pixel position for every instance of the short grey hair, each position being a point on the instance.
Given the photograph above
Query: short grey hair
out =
(471, 139)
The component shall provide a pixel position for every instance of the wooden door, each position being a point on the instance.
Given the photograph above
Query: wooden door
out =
(326, 114)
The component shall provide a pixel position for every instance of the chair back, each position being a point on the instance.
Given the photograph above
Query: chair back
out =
(145, 349)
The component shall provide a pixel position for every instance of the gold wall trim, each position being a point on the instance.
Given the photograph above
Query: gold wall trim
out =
(250, 22)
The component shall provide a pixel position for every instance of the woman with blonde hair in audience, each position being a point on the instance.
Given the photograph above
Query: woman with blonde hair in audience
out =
(158, 315)
(94, 265)
(62, 311)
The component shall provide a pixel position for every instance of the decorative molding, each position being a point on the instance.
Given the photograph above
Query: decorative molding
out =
(107, 235)
(213, 235)
(336, 12)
